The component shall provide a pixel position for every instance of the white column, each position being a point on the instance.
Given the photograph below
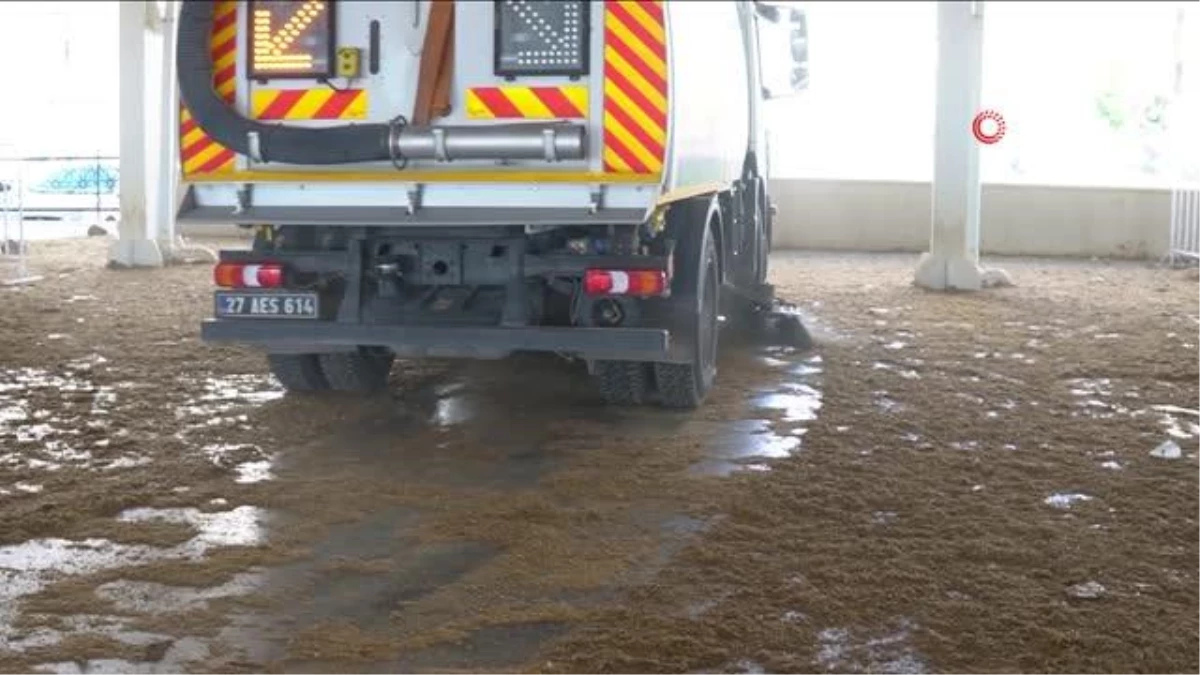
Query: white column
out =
(953, 258)
(136, 245)
(167, 148)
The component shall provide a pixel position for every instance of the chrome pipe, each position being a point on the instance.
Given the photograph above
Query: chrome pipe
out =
(554, 142)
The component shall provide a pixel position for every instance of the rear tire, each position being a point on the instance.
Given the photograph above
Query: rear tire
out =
(298, 372)
(684, 385)
(762, 214)
(362, 371)
(621, 382)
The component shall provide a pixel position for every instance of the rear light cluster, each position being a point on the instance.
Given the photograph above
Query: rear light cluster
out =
(641, 283)
(248, 275)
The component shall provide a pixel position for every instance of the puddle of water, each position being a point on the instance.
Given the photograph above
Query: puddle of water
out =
(1064, 500)
(1091, 387)
(977, 400)
(249, 462)
(772, 362)
(226, 395)
(124, 461)
(889, 653)
(242, 526)
(885, 402)
(1176, 409)
(1175, 429)
(797, 407)
(804, 370)
(13, 413)
(180, 653)
(42, 429)
(742, 445)
(699, 609)
(147, 597)
(1174, 426)
(792, 616)
(735, 446)
(883, 517)
(453, 410)
(87, 362)
(27, 567)
(906, 373)
(219, 453)
(254, 472)
(1093, 392)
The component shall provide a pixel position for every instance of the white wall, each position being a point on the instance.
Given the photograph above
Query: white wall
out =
(1017, 219)
(61, 77)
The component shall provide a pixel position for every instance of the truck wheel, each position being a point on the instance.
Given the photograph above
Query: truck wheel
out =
(298, 372)
(762, 214)
(363, 371)
(621, 382)
(684, 385)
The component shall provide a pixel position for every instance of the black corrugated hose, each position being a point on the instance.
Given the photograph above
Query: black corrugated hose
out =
(344, 144)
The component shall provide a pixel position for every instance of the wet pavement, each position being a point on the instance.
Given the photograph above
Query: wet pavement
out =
(470, 433)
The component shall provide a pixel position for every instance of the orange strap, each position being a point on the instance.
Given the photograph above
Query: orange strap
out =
(437, 64)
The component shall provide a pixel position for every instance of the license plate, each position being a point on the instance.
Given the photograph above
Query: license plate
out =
(267, 305)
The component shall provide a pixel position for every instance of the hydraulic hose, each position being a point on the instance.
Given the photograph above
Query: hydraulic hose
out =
(344, 144)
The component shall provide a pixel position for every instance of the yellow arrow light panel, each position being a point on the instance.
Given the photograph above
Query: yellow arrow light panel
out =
(291, 39)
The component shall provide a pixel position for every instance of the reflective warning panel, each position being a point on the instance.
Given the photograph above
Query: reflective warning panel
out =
(541, 37)
(291, 39)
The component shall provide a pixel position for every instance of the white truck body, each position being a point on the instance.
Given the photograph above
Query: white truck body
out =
(466, 178)
(711, 112)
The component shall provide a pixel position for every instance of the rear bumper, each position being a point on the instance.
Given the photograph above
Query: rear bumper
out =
(617, 344)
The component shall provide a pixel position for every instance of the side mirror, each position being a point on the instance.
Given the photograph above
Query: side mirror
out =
(782, 48)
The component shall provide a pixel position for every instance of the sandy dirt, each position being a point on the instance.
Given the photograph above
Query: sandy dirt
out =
(948, 482)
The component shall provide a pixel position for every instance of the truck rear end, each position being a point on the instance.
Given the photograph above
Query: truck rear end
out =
(471, 179)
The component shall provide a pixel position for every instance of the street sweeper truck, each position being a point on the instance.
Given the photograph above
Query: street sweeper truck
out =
(475, 178)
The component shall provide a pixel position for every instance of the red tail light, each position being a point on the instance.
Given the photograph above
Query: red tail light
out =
(640, 283)
(242, 275)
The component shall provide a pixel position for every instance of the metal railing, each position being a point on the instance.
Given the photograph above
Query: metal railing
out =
(37, 188)
(1185, 224)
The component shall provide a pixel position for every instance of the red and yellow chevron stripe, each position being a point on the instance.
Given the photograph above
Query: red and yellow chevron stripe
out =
(309, 104)
(198, 153)
(483, 103)
(635, 86)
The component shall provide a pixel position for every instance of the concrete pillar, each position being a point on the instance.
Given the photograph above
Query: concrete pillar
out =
(953, 258)
(136, 245)
(166, 175)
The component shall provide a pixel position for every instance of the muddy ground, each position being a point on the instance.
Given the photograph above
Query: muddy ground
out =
(946, 483)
